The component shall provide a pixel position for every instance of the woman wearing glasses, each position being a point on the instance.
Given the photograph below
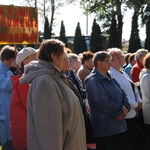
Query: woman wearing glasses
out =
(108, 105)
(131, 91)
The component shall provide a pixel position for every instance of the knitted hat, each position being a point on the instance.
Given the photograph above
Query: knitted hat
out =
(23, 53)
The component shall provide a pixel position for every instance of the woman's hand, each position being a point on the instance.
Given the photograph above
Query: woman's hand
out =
(139, 106)
(122, 116)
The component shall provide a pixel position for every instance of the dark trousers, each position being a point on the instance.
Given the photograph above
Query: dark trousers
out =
(132, 133)
(137, 134)
(8, 146)
(148, 136)
(114, 142)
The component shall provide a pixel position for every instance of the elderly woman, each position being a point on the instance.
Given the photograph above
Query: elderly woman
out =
(145, 86)
(108, 105)
(74, 62)
(18, 105)
(86, 67)
(131, 91)
(135, 71)
(55, 119)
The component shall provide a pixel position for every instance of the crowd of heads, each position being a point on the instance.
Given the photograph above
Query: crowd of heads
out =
(55, 52)
(73, 61)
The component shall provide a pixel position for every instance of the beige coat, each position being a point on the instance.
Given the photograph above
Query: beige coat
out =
(55, 120)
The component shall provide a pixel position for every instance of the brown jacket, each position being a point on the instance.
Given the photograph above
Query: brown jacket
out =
(83, 72)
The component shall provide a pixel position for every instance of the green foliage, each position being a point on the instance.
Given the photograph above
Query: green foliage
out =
(84, 45)
(47, 33)
(134, 43)
(103, 9)
(106, 9)
(136, 4)
(62, 36)
(79, 41)
(113, 39)
(145, 13)
(147, 40)
(96, 38)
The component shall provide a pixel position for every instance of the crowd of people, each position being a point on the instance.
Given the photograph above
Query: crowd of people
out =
(48, 94)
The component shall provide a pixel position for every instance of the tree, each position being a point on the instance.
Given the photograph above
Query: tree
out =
(144, 11)
(62, 36)
(145, 15)
(113, 39)
(147, 40)
(96, 38)
(79, 41)
(47, 33)
(84, 45)
(106, 9)
(134, 42)
(30, 3)
(47, 7)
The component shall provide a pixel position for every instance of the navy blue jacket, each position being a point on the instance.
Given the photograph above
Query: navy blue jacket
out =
(106, 100)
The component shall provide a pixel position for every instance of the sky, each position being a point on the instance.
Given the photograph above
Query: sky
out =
(72, 14)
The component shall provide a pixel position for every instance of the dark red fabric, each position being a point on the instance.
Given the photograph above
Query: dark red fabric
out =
(18, 114)
(135, 71)
(91, 146)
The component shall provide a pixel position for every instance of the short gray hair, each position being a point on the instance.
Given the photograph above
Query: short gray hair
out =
(139, 53)
(100, 56)
(72, 56)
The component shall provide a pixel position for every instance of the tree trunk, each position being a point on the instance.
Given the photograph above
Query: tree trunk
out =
(35, 3)
(52, 15)
(120, 23)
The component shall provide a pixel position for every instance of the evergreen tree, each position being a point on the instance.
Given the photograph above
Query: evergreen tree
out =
(113, 40)
(62, 36)
(134, 42)
(147, 40)
(79, 41)
(84, 45)
(47, 33)
(96, 38)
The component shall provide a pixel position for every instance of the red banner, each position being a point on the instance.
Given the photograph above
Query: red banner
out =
(18, 25)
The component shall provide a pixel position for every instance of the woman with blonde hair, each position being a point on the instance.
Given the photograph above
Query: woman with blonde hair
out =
(131, 91)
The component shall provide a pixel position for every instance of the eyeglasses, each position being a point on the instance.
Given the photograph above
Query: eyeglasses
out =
(106, 61)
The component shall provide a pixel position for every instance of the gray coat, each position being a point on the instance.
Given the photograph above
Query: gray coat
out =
(55, 120)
